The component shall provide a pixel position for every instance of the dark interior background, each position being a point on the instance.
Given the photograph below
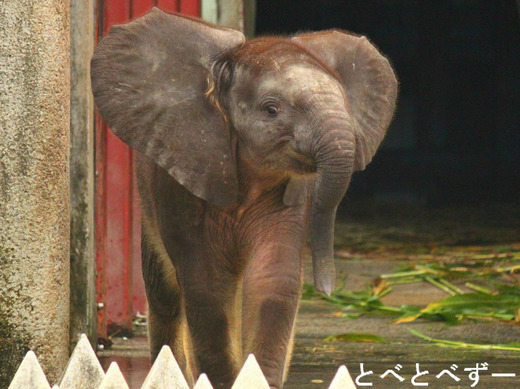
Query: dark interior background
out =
(455, 137)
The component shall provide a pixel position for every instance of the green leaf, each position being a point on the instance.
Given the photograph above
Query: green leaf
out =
(356, 338)
(508, 289)
(474, 301)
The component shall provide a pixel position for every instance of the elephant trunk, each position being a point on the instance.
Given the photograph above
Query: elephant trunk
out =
(334, 156)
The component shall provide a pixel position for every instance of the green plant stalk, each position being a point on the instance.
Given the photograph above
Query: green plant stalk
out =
(508, 269)
(478, 288)
(442, 287)
(384, 292)
(414, 280)
(403, 274)
(451, 343)
(453, 287)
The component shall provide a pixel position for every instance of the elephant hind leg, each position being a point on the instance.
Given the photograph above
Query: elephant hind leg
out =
(166, 318)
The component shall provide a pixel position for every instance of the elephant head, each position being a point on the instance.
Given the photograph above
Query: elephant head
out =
(199, 101)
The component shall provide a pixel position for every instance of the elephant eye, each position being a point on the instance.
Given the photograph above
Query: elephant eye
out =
(272, 110)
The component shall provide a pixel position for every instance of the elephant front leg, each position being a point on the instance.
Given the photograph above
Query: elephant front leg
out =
(209, 300)
(271, 292)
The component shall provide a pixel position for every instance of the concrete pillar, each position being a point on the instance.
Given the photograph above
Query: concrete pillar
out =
(82, 254)
(34, 184)
(236, 14)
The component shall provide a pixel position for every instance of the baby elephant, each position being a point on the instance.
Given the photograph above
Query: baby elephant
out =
(242, 145)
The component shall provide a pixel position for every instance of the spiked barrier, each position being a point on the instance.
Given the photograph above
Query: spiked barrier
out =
(84, 372)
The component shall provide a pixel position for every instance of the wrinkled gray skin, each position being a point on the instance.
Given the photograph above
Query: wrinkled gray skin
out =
(240, 145)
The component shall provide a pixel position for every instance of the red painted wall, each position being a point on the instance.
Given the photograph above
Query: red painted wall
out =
(118, 231)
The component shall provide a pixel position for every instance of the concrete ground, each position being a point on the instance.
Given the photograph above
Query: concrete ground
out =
(369, 246)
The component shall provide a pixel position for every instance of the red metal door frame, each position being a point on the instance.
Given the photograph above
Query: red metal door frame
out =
(120, 288)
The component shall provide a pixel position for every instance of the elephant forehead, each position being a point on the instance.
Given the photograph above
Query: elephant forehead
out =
(299, 81)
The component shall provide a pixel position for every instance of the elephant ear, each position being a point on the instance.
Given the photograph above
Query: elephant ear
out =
(150, 80)
(368, 80)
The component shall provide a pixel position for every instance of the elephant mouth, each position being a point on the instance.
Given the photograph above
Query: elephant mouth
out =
(304, 162)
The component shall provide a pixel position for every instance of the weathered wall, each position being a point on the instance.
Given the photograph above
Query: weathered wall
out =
(82, 255)
(34, 184)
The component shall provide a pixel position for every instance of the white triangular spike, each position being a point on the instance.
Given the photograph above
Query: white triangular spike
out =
(83, 370)
(203, 382)
(342, 379)
(55, 387)
(251, 376)
(114, 378)
(29, 374)
(165, 373)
